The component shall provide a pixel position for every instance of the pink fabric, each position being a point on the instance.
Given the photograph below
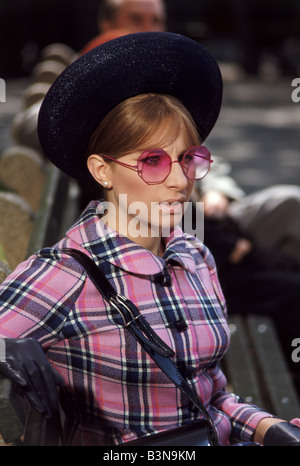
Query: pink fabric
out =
(115, 386)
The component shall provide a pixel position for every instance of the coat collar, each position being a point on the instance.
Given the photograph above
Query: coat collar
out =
(103, 243)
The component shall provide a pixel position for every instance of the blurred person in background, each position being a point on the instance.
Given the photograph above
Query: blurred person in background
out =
(255, 241)
(120, 17)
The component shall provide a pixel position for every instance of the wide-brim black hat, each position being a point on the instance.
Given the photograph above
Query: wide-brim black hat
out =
(139, 63)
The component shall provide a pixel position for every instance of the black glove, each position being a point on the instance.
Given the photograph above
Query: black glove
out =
(26, 365)
(282, 434)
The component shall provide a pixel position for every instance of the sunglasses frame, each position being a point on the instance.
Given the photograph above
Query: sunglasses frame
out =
(139, 171)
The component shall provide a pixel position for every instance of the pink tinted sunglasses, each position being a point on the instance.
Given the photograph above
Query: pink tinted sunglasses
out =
(154, 165)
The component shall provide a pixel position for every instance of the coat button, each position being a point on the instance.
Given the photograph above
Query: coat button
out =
(181, 325)
(189, 372)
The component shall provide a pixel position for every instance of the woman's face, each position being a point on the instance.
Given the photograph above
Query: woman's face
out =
(144, 209)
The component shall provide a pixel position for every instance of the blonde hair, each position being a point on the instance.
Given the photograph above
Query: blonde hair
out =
(140, 122)
(147, 121)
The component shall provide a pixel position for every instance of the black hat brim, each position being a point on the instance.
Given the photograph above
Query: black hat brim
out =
(89, 88)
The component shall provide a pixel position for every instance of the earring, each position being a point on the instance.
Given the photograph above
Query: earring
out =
(105, 184)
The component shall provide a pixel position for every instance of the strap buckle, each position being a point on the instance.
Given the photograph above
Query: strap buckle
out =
(118, 302)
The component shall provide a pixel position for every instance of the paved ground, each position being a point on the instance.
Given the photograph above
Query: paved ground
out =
(258, 131)
(8, 109)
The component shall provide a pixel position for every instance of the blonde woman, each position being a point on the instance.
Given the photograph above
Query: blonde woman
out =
(132, 116)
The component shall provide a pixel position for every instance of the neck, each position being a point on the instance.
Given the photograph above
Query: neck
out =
(154, 245)
(139, 233)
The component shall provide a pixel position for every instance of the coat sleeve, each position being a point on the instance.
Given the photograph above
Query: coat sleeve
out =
(243, 417)
(36, 299)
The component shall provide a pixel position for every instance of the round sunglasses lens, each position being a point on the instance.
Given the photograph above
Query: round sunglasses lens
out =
(154, 166)
(196, 163)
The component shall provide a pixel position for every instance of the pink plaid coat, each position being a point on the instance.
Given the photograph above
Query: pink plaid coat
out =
(118, 391)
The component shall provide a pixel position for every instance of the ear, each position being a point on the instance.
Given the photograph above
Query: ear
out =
(100, 170)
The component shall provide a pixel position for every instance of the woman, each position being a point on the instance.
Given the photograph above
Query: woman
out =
(140, 108)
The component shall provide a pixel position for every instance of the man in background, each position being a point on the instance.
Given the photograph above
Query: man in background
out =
(119, 17)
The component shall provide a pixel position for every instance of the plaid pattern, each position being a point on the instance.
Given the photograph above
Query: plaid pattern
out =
(118, 391)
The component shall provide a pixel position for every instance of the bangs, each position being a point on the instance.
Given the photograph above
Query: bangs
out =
(160, 121)
(146, 121)
(164, 133)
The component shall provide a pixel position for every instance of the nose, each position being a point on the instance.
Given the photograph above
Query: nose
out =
(177, 178)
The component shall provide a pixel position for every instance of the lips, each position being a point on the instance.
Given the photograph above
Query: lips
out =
(171, 205)
(179, 200)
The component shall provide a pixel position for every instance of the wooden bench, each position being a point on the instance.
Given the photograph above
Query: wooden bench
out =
(57, 210)
(16, 226)
(36, 204)
(19, 424)
(256, 368)
(22, 170)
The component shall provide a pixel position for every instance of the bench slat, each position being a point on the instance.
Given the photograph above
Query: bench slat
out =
(12, 414)
(51, 212)
(276, 382)
(240, 367)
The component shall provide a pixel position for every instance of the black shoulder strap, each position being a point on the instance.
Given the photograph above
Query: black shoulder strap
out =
(141, 330)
